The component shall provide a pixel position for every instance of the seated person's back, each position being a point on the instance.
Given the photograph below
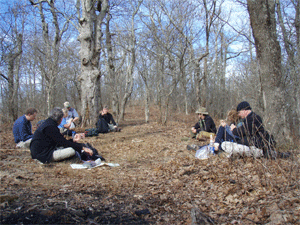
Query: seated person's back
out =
(22, 128)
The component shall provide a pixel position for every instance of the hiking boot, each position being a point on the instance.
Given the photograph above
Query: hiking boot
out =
(284, 155)
(192, 147)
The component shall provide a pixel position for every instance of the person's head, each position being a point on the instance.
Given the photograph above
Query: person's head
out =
(65, 111)
(232, 116)
(202, 112)
(30, 114)
(56, 114)
(105, 110)
(243, 109)
(67, 105)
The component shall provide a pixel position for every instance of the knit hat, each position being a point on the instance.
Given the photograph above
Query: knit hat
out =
(66, 104)
(202, 110)
(243, 106)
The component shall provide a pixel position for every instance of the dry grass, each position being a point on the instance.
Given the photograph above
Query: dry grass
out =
(156, 174)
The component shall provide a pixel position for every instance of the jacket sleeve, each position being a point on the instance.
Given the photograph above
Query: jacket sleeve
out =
(197, 126)
(57, 137)
(112, 119)
(26, 132)
(74, 112)
(210, 125)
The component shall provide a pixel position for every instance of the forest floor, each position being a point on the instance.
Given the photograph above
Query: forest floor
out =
(158, 182)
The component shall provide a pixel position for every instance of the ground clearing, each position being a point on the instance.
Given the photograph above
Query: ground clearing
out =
(158, 182)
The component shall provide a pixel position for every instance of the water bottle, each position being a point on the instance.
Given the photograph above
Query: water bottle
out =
(211, 145)
(73, 134)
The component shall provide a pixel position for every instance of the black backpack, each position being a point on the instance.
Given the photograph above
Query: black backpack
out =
(102, 126)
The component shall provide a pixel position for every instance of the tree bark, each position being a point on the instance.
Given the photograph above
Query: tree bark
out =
(263, 23)
(13, 79)
(90, 41)
(110, 65)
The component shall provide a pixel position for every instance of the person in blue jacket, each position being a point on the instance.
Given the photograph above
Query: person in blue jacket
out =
(22, 128)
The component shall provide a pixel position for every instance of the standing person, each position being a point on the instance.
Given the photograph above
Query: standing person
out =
(107, 118)
(72, 115)
(204, 127)
(22, 128)
(48, 144)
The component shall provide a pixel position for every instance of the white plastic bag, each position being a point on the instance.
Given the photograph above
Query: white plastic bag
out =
(203, 152)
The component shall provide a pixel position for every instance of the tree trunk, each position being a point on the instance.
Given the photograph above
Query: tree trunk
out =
(263, 23)
(129, 78)
(90, 41)
(110, 65)
(13, 79)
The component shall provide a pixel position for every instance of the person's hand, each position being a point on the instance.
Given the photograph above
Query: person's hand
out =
(88, 151)
(77, 137)
(194, 130)
(232, 127)
(115, 126)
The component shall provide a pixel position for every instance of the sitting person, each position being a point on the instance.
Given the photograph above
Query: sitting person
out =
(48, 144)
(64, 126)
(252, 132)
(22, 128)
(204, 127)
(72, 115)
(224, 132)
(106, 122)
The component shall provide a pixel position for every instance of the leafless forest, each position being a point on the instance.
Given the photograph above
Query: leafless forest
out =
(153, 62)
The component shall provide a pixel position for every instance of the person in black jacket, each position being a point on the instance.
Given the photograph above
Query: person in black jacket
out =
(48, 144)
(106, 117)
(253, 133)
(204, 127)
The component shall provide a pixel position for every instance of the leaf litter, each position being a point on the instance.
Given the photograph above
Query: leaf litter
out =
(158, 182)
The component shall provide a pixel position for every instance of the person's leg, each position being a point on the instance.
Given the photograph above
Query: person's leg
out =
(204, 135)
(220, 135)
(63, 153)
(193, 135)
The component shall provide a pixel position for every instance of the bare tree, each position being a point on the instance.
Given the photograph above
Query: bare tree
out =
(263, 23)
(11, 52)
(49, 64)
(291, 46)
(130, 69)
(92, 16)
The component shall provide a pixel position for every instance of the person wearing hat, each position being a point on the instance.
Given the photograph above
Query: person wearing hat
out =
(204, 127)
(72, 115)
(252, 133)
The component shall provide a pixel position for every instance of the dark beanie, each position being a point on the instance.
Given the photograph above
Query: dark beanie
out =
(243, 105)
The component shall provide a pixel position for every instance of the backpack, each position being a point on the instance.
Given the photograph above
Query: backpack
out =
(91, 132)
(102, 126)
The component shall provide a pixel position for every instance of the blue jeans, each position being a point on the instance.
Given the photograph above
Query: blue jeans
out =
(225, 134)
